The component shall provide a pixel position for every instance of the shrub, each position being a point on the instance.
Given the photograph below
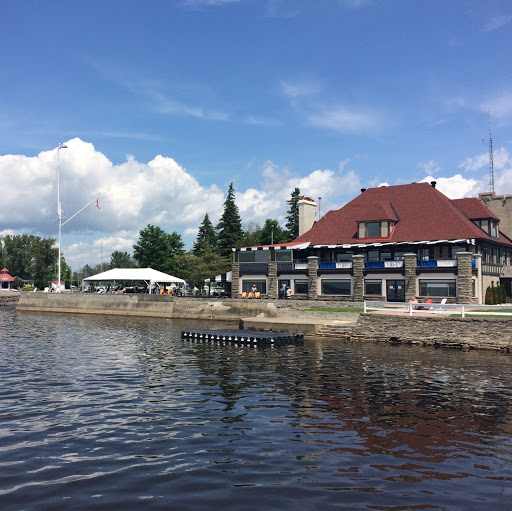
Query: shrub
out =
(488, 296)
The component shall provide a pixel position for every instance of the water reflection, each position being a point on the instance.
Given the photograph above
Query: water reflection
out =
(120, 413)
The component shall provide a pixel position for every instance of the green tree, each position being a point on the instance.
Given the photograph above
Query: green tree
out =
(156, 249)
(272, 233)
(195, 269)
(229, 228)
(252, 235)
(205, 237)
(121, 260)
(292, 220)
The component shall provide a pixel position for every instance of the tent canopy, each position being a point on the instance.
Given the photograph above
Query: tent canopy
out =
(145, 274)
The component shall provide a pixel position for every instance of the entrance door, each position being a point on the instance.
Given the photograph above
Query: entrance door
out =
(395, 290)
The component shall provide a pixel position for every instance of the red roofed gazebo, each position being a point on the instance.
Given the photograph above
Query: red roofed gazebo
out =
(6, 279)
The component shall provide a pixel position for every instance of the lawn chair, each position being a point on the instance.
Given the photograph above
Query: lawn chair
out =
(440, 307)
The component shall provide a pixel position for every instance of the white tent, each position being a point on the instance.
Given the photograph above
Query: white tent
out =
(148, 275)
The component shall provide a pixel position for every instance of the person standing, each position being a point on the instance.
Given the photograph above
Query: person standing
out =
(254, 290)
(282, 292)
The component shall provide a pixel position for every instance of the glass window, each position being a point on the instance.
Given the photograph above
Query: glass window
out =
(437, 287)
(456, 250)
(362, 230)
(246, 257)
(261, 286)
(373, 287)
(385, 255)
(261, 256)
(485, 226)
(347, 256)
(283, 255)
(336, 287)
(373, 230)
(372, 255)
(384, 231)
(494, 230)
(300, 287)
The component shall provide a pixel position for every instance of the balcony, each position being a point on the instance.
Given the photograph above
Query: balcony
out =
(384, 264)
(335, 265)
(438, 263)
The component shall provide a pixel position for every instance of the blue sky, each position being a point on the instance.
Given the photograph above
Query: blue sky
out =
(162, 104)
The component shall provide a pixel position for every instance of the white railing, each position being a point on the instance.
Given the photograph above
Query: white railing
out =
(439, 308)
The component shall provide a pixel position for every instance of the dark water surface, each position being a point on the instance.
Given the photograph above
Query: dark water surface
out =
(116, 413)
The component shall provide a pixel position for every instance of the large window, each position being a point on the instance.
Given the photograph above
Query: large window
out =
(373, 287)
(438, 288)
(375, 229)
(283, 255)
(254, 256)
(261, 286)
(336, 287)
(300, 287)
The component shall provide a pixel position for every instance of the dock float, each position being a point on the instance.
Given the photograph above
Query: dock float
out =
(246, 337)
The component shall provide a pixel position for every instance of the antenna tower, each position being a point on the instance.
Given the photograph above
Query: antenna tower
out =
(491, 159)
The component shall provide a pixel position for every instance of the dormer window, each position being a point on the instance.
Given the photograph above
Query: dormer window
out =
(375, 229)
(489, 226)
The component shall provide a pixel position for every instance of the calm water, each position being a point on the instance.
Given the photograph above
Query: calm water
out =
(116, 413)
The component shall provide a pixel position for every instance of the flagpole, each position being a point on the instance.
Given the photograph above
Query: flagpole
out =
(59, 212)
(59, 215)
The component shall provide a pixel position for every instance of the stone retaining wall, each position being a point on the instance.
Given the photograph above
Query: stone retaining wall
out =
(465, 333)
(146, 305)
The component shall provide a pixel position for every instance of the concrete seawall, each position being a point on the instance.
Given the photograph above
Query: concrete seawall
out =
(162, 306)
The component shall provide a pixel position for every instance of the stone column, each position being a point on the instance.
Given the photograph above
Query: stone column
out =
(312, 278)
(464, 272)
(358, 277)
(272, 288)
(480, 298)
(235, 280)
(410, 265)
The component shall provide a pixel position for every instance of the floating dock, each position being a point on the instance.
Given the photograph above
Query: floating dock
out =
(246, 337)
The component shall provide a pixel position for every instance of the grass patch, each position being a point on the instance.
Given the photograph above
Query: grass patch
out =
(332, 309)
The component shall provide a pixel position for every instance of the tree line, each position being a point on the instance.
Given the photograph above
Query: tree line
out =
(33, 258)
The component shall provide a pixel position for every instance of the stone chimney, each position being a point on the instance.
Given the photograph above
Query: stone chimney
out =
(307, 214)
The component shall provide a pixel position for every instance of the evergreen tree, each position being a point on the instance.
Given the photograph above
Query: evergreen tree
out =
(272, 233)
(205, 237)
(292, 224)
(230, 234)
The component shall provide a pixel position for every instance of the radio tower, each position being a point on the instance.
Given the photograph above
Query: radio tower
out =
(491, 161)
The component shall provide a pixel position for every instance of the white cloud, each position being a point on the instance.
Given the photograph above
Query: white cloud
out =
(131, 195)
(501, 159)
(496, 22)
(473, 163)
(500, 106)
(456, 187)
(430, 167)
(343, 119)
(299, 89)
(134, 194)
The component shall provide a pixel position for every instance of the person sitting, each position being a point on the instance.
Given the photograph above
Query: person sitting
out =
(414, 300)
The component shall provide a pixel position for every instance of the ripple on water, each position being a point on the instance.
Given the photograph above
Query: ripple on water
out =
(119, 413)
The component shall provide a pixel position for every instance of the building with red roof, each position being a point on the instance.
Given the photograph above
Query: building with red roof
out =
(388, 243)
(5, 279)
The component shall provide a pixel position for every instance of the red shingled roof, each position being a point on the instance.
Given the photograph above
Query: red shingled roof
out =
(474, 209)
(422, 213)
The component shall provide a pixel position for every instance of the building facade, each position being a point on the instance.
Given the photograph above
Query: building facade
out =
(389, 243)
